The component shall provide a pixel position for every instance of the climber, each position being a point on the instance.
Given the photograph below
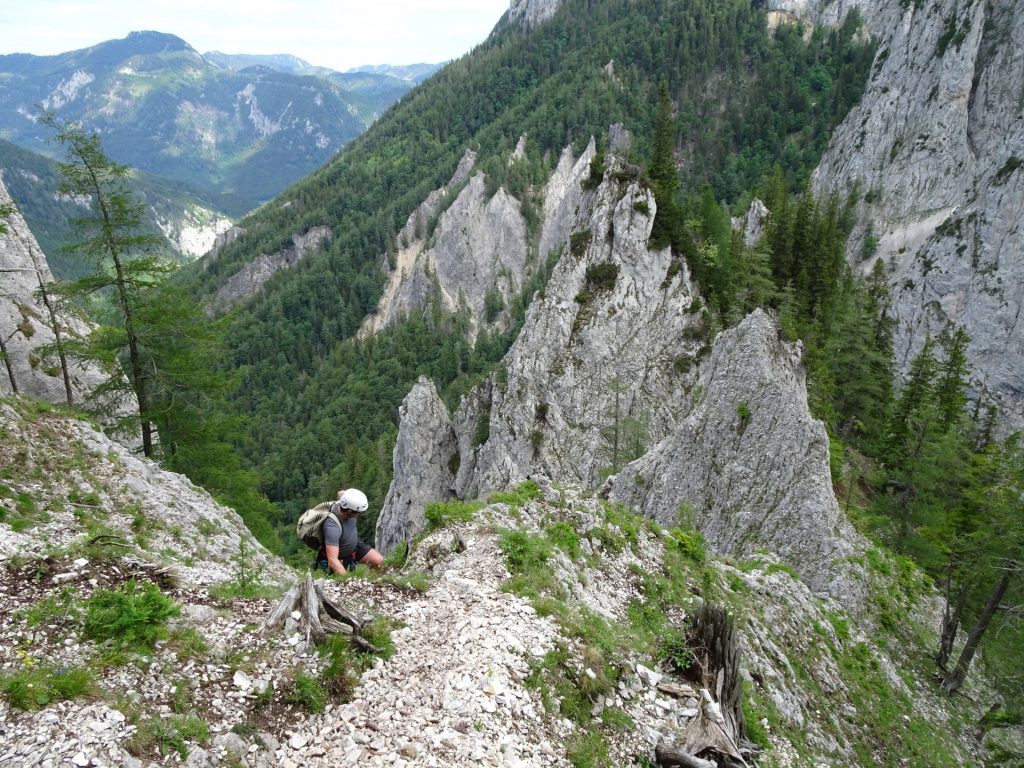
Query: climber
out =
(342, 547)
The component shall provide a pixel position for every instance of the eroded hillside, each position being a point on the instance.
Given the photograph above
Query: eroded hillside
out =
(546, 628)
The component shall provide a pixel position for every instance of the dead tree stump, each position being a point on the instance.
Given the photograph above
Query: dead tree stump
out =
(719, 726)
(317, 617)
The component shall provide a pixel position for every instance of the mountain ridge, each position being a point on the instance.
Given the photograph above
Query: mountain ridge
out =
(157, 100)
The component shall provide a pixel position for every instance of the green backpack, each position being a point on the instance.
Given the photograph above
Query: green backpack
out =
(308, 527)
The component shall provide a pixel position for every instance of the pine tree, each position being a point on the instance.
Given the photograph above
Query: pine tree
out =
(951, 390)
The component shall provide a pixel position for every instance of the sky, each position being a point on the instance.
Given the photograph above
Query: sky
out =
(339, 34)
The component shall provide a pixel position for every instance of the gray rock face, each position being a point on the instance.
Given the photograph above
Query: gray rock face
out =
(530, 13)
(753, 224)
(425, 450)
(598, 349)
(936, 146)
(613, 342)
(194, 230)
(748, 466)
(251, 277)
(25, 322)
(179, 517)
(595, 353)
(224, 239)
(476, 255)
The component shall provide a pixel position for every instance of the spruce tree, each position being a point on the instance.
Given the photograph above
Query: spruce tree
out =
(664, 175)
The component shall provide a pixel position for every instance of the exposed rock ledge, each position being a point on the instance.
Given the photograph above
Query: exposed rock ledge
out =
(251, 277)
(750, 466)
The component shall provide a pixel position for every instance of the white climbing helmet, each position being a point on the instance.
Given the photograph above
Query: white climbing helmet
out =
(353, 499)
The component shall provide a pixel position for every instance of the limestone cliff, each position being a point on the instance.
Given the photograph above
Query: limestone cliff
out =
(469, 257)
(607, 368)
(749, 466)
(26, 323)
(425, 449)
(247, 281)
(80, 480)
(936, 149)
(530, 13)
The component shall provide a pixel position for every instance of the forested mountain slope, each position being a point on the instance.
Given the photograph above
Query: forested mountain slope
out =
(307, 390)
(186, 221)
(163, 108)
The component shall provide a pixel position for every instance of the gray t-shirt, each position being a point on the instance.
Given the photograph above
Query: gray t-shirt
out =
(344, 538)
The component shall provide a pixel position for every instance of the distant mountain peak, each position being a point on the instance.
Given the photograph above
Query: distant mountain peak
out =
(279, 62)
(413, 73)
(157, 42)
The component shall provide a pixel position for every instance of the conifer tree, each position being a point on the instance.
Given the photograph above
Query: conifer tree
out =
(992, 555)
(664, 175)
(111, 238)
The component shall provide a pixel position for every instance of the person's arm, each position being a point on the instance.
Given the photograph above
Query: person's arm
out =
(334, 561)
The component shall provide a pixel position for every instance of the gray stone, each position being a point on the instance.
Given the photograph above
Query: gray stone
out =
(530, 13)
(749, 466)
(25, 323)
(930, 145)
(424, 451)
(250, 278)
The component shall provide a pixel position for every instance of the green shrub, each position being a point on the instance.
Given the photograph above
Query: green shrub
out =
(482, 430)
(609, 540)
(782, 568)
(743, 413)
(594, 680)
(578, 242)
(840, 625)
(675, 651)
(341, 675)
(523, 551)
(628, 523)
(378, 634)
(526, 557)
(415, 580)
(601, 277)
(307, 692)
(131, 617)
(165, 733)
(690, 544)
(588, 751)
(563, 536)
(440, 514)
(188, 644)
(521, 494)
(38, 686)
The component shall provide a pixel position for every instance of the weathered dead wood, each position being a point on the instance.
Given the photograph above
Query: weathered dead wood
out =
(311, 611)
(678, 691)
(318, 616)
(670, 757)
(340, 613)
(709, 731)
(716, 634)
(284, 608)
(719, 727)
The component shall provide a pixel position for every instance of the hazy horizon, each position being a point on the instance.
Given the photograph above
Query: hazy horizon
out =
(339, 35)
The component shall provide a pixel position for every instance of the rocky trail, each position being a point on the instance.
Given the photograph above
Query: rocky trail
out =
(455, 691)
